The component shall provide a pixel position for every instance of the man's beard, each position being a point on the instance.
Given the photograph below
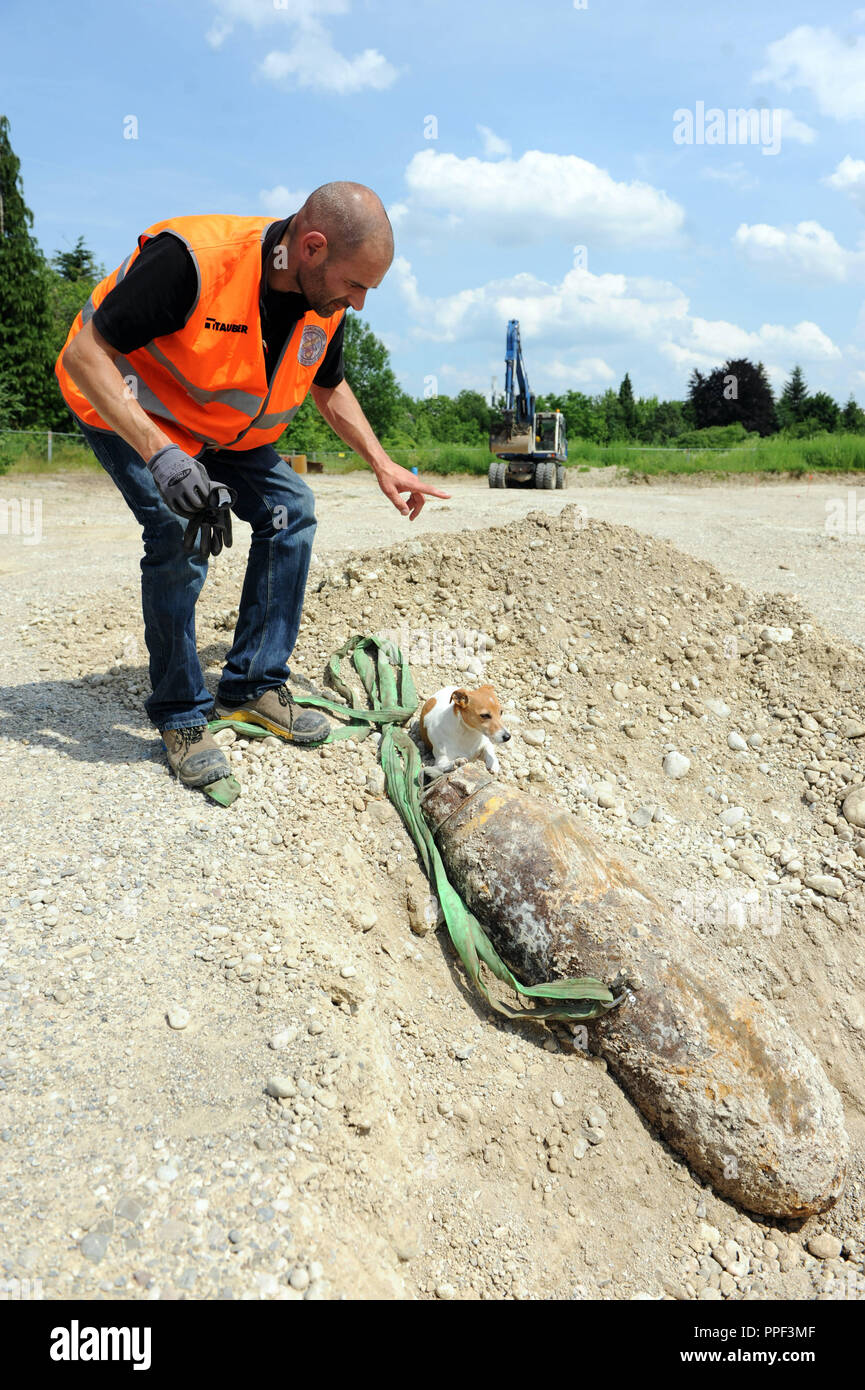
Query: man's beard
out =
(312, 285)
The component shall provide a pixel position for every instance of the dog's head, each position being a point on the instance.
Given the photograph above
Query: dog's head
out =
(480, 710)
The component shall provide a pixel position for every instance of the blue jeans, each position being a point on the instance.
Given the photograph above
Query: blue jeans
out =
(280, 508)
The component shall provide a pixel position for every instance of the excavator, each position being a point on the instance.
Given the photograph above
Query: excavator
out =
(530, 446)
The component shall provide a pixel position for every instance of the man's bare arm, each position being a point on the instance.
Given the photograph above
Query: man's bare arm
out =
(89, 360)
(340, 408)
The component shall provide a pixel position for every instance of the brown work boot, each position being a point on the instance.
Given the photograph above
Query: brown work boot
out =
(194, 756)
(276, 711)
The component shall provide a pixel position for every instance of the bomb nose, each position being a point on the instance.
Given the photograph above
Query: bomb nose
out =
(505, 736)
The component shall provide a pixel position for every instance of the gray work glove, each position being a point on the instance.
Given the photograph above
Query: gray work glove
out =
(181, 480)
(211, 527)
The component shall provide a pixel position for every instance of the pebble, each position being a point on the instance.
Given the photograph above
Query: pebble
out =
(732, 815)
(299, 1278)
(620, 690)
(676, 764)
(558, 1100)
(853, 808)
(445, 1291)
(281, 1087)
(129, 1209)
(778, 635)
(717, 707)
(178, 1019)
(827, 884)
(375, 782)
(94, 1246)
(642, 816)
(282, 1039)
(824, 1247)
(736, 742)
(534, 736)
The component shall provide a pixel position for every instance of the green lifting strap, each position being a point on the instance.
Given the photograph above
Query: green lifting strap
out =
(393, 699)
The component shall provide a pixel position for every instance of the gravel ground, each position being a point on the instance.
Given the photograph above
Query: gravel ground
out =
(238, 1062)
(769, 536)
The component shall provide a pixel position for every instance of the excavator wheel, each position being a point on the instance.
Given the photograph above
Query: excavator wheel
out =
(545, 475)
(561, 475)
(497, 470)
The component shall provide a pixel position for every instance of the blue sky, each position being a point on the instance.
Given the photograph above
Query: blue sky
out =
(503, 137)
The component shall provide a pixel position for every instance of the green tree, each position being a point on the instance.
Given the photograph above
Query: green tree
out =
(72, 277)
(853, 418)
(738, 392)
(26, 364)
(308, 433)
(793, 400)
(823, 410)
(669, 421)
(369, 374)
(11, 405)
(626, 401)
(614, 415)
(474, 415)
(77, 264)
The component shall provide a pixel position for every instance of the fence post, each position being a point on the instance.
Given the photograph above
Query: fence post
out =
(50, 446)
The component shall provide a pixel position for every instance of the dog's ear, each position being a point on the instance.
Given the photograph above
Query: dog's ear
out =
(460, 697)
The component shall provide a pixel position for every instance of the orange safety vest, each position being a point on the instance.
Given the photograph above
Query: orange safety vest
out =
(206, 383)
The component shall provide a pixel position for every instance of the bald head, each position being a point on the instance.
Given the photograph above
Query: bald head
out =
(352, 218)
(337, 248)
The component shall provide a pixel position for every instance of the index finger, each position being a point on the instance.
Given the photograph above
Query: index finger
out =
(428, 489)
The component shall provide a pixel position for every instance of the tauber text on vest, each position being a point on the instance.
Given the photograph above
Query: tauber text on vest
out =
(76, 1343)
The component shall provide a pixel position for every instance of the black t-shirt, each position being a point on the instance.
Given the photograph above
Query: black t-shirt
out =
(157, 294)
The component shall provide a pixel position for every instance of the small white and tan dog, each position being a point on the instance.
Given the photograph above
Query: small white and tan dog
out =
(458, 723)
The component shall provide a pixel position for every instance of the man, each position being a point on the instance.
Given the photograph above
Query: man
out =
(182, 371)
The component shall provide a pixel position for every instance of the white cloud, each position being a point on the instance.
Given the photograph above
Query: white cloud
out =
(522, 201)
(806, 251)
(494, 145)
(311, 61)
(849, 178)
(611, 317)
(281, 201)
(258, 13)
(582, 372)
(830, 67)
(794, 129)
